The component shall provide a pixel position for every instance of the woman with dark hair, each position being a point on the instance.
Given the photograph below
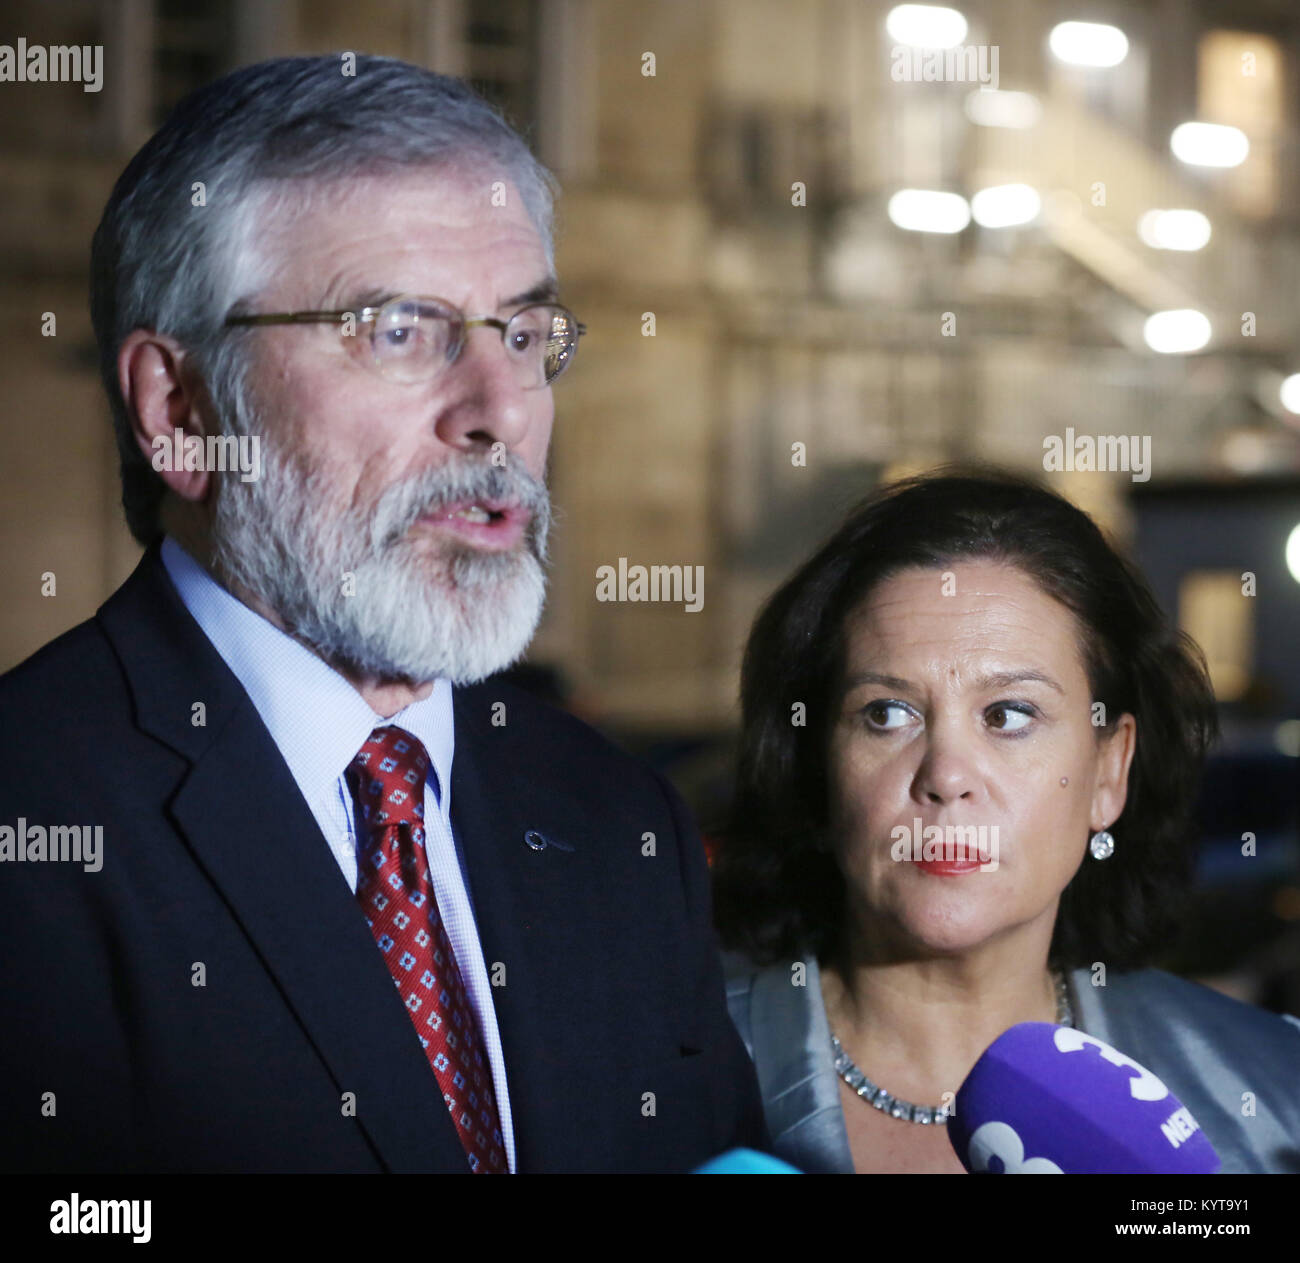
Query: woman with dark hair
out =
(970, 750)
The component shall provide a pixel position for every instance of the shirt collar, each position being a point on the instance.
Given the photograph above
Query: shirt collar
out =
(315, 717)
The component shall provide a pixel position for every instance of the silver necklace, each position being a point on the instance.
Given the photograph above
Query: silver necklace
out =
(925, 1114)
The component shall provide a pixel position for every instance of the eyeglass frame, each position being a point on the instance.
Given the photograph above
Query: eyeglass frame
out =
(370, 314)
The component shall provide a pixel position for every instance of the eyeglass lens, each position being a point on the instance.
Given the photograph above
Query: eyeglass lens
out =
(412, 339)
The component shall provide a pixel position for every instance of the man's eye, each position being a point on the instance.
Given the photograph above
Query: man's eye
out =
(521, 341)
(399, 340)
(884, 716)
(1007, 718)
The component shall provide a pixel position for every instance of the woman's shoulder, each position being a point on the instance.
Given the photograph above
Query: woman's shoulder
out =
(1153, 995)
(1235, 1066)
(743, 973)
(777, 1008)
(794, 981)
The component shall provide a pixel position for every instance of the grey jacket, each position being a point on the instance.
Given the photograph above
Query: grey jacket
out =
(1210, 1050)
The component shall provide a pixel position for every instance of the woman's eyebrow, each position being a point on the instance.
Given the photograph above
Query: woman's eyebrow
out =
(998, 679)
(1001, 679)
(875, 677)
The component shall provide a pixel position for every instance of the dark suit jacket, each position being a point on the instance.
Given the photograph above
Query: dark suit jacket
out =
(612, 987)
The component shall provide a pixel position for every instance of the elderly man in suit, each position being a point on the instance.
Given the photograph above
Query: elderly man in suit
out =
(358, 907)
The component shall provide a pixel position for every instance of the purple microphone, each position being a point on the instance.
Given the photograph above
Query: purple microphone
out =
(1052, 1100)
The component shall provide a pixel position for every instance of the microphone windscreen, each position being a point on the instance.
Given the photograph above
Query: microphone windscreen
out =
(1047, 1099)
(746, 1162)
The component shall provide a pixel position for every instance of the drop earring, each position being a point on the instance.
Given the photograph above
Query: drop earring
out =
(1102, 845)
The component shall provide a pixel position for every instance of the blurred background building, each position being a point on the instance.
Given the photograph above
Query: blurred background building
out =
(816, 245)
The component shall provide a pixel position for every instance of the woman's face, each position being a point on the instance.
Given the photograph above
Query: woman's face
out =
(965, 702)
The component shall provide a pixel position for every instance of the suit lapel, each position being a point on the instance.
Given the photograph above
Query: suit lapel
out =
(244, 819)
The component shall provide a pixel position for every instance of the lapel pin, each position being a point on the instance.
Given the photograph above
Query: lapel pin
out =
(538, 841)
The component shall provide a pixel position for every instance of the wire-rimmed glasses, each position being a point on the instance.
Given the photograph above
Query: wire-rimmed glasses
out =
(412, 338)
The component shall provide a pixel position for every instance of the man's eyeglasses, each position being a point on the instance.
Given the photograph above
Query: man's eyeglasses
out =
(412, 339)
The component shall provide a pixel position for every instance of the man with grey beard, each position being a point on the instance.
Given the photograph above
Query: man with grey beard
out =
(361, 906)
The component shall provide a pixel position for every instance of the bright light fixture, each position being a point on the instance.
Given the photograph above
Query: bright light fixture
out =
(1177, 332)
(926, 25)
(990, 108)
(1005, 205)
(1293, 552)
(1092, 44)
(927, 210)
(1289, 393)
(1286, 736)
(1209, 145)
(1174, 229)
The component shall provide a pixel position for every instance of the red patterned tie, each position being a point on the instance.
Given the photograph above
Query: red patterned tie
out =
(396, 895)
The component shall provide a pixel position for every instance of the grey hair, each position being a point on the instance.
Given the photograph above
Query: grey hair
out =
(165, 258)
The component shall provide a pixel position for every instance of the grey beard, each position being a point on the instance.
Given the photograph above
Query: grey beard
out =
(354, 586)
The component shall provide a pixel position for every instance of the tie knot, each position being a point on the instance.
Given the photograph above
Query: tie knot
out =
(387, 778)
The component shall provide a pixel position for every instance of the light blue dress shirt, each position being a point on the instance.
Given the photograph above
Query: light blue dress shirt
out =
(319, 723)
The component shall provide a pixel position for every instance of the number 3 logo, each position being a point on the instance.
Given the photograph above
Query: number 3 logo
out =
(1146, 1087)
(1002, 1141)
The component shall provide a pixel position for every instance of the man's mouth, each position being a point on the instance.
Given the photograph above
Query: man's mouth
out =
(477, 513)
(490, 524)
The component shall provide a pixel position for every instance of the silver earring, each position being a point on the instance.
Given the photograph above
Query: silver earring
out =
(1102, 845)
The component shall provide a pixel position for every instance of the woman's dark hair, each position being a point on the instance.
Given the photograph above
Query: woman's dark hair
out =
(778, 890)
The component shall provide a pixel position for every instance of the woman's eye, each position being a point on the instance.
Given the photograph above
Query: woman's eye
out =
(887, 715)
(1008, 718)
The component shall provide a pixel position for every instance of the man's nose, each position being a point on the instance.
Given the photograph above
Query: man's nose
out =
(483, 400)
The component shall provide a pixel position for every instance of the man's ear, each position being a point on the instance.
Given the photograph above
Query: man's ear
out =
(1110, 790)
(162, 396)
